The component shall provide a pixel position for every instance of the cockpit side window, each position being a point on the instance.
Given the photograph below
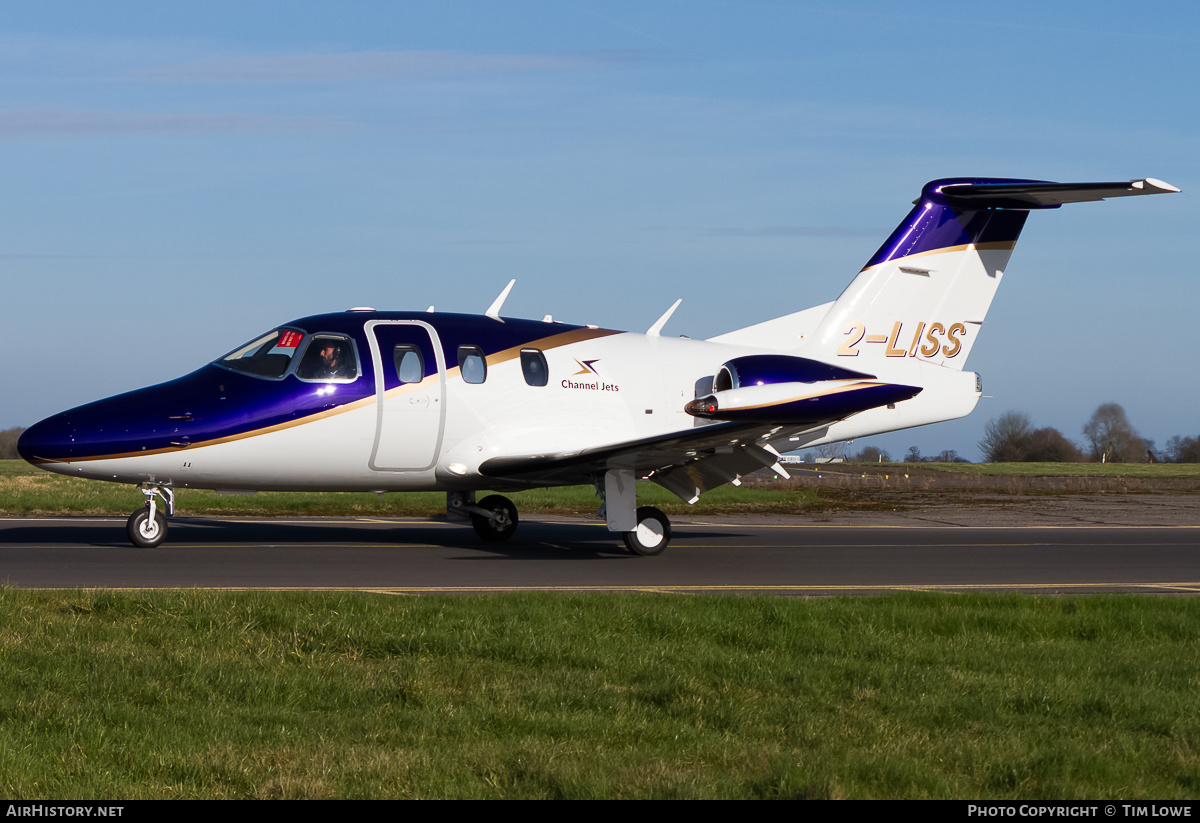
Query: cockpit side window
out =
(472, 364)
(265, 356)
(328, 357)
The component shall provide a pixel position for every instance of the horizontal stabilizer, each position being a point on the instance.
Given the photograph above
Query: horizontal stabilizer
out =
(1031, 194)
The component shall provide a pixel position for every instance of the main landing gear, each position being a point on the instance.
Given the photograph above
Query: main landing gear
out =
(494, 518)
(147, 527)
(645, 530)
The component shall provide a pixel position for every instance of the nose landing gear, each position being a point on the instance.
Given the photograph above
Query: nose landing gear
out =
(147, 527)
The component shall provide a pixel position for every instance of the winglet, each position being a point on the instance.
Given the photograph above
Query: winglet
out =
(494, 310)
(1154, 183)
(657, 328)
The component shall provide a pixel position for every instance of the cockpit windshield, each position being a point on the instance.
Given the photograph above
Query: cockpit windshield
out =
(265, 356)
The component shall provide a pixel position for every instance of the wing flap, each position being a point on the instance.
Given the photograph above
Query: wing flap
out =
(689, 480)
(643, 455)
(686, 463)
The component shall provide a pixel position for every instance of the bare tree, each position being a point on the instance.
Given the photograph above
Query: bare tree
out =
(1112, 438)
(1003, 439)
(1183, 449)
(870, 454)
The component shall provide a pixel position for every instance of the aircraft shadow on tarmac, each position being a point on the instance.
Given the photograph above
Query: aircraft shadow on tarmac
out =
(534, 540)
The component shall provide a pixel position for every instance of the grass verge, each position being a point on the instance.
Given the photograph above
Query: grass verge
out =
(25, 490)
(258, 695)
(30, 491)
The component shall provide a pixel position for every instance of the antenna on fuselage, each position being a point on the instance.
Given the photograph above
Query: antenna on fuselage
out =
(494, 310)
(657, 328)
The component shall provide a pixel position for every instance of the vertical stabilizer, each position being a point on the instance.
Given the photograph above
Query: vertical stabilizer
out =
(924, 294)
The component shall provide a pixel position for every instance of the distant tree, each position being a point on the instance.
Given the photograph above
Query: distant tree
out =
(1004, 438)
(870, 454)
(1049, 445)
(1183, 449)
(1112, 438)
(831, 451)
(913, 456)
(946, 456)
(8, 443)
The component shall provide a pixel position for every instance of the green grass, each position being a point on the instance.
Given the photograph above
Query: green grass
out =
(25, 490)
(205, 695)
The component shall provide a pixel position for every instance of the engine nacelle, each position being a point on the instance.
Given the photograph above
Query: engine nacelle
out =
(769, 369)
(779, 388)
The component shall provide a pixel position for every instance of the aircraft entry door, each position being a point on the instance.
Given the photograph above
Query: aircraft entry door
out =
(410, 395)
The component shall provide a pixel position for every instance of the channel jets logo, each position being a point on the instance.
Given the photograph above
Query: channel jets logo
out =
(589, 367)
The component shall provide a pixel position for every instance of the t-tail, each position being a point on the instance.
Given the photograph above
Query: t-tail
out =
(925, 293)
(912, 315)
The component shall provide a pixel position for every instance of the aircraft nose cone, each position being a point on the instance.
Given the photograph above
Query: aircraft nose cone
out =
(51, 439)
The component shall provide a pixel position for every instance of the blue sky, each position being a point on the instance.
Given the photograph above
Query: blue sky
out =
(178, 178)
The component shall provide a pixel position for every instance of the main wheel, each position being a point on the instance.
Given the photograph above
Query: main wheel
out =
(652, 534)
(144, 532)
(500, 528)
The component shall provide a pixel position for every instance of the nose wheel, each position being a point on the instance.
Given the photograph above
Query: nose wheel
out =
(146, 530)
(147, 527)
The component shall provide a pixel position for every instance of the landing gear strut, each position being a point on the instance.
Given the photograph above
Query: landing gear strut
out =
(147, 527)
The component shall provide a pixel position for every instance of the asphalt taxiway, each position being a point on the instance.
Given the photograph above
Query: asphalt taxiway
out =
(785, 556)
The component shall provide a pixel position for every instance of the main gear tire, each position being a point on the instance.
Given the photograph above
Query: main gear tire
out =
(652, 534)
(502, 525)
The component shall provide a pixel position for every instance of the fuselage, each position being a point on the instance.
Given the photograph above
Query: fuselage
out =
(421, 400)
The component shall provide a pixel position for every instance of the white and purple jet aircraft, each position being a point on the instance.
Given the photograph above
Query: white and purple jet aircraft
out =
(367, 400)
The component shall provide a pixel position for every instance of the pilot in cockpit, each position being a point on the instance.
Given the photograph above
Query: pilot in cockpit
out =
(325, 360)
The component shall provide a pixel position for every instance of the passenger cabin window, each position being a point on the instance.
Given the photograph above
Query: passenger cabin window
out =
(328, 357)
(471, 364)
(410, 367)
(265, 356)
(533, 366)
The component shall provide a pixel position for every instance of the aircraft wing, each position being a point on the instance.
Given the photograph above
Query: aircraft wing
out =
(747, 419)
(687, 463)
